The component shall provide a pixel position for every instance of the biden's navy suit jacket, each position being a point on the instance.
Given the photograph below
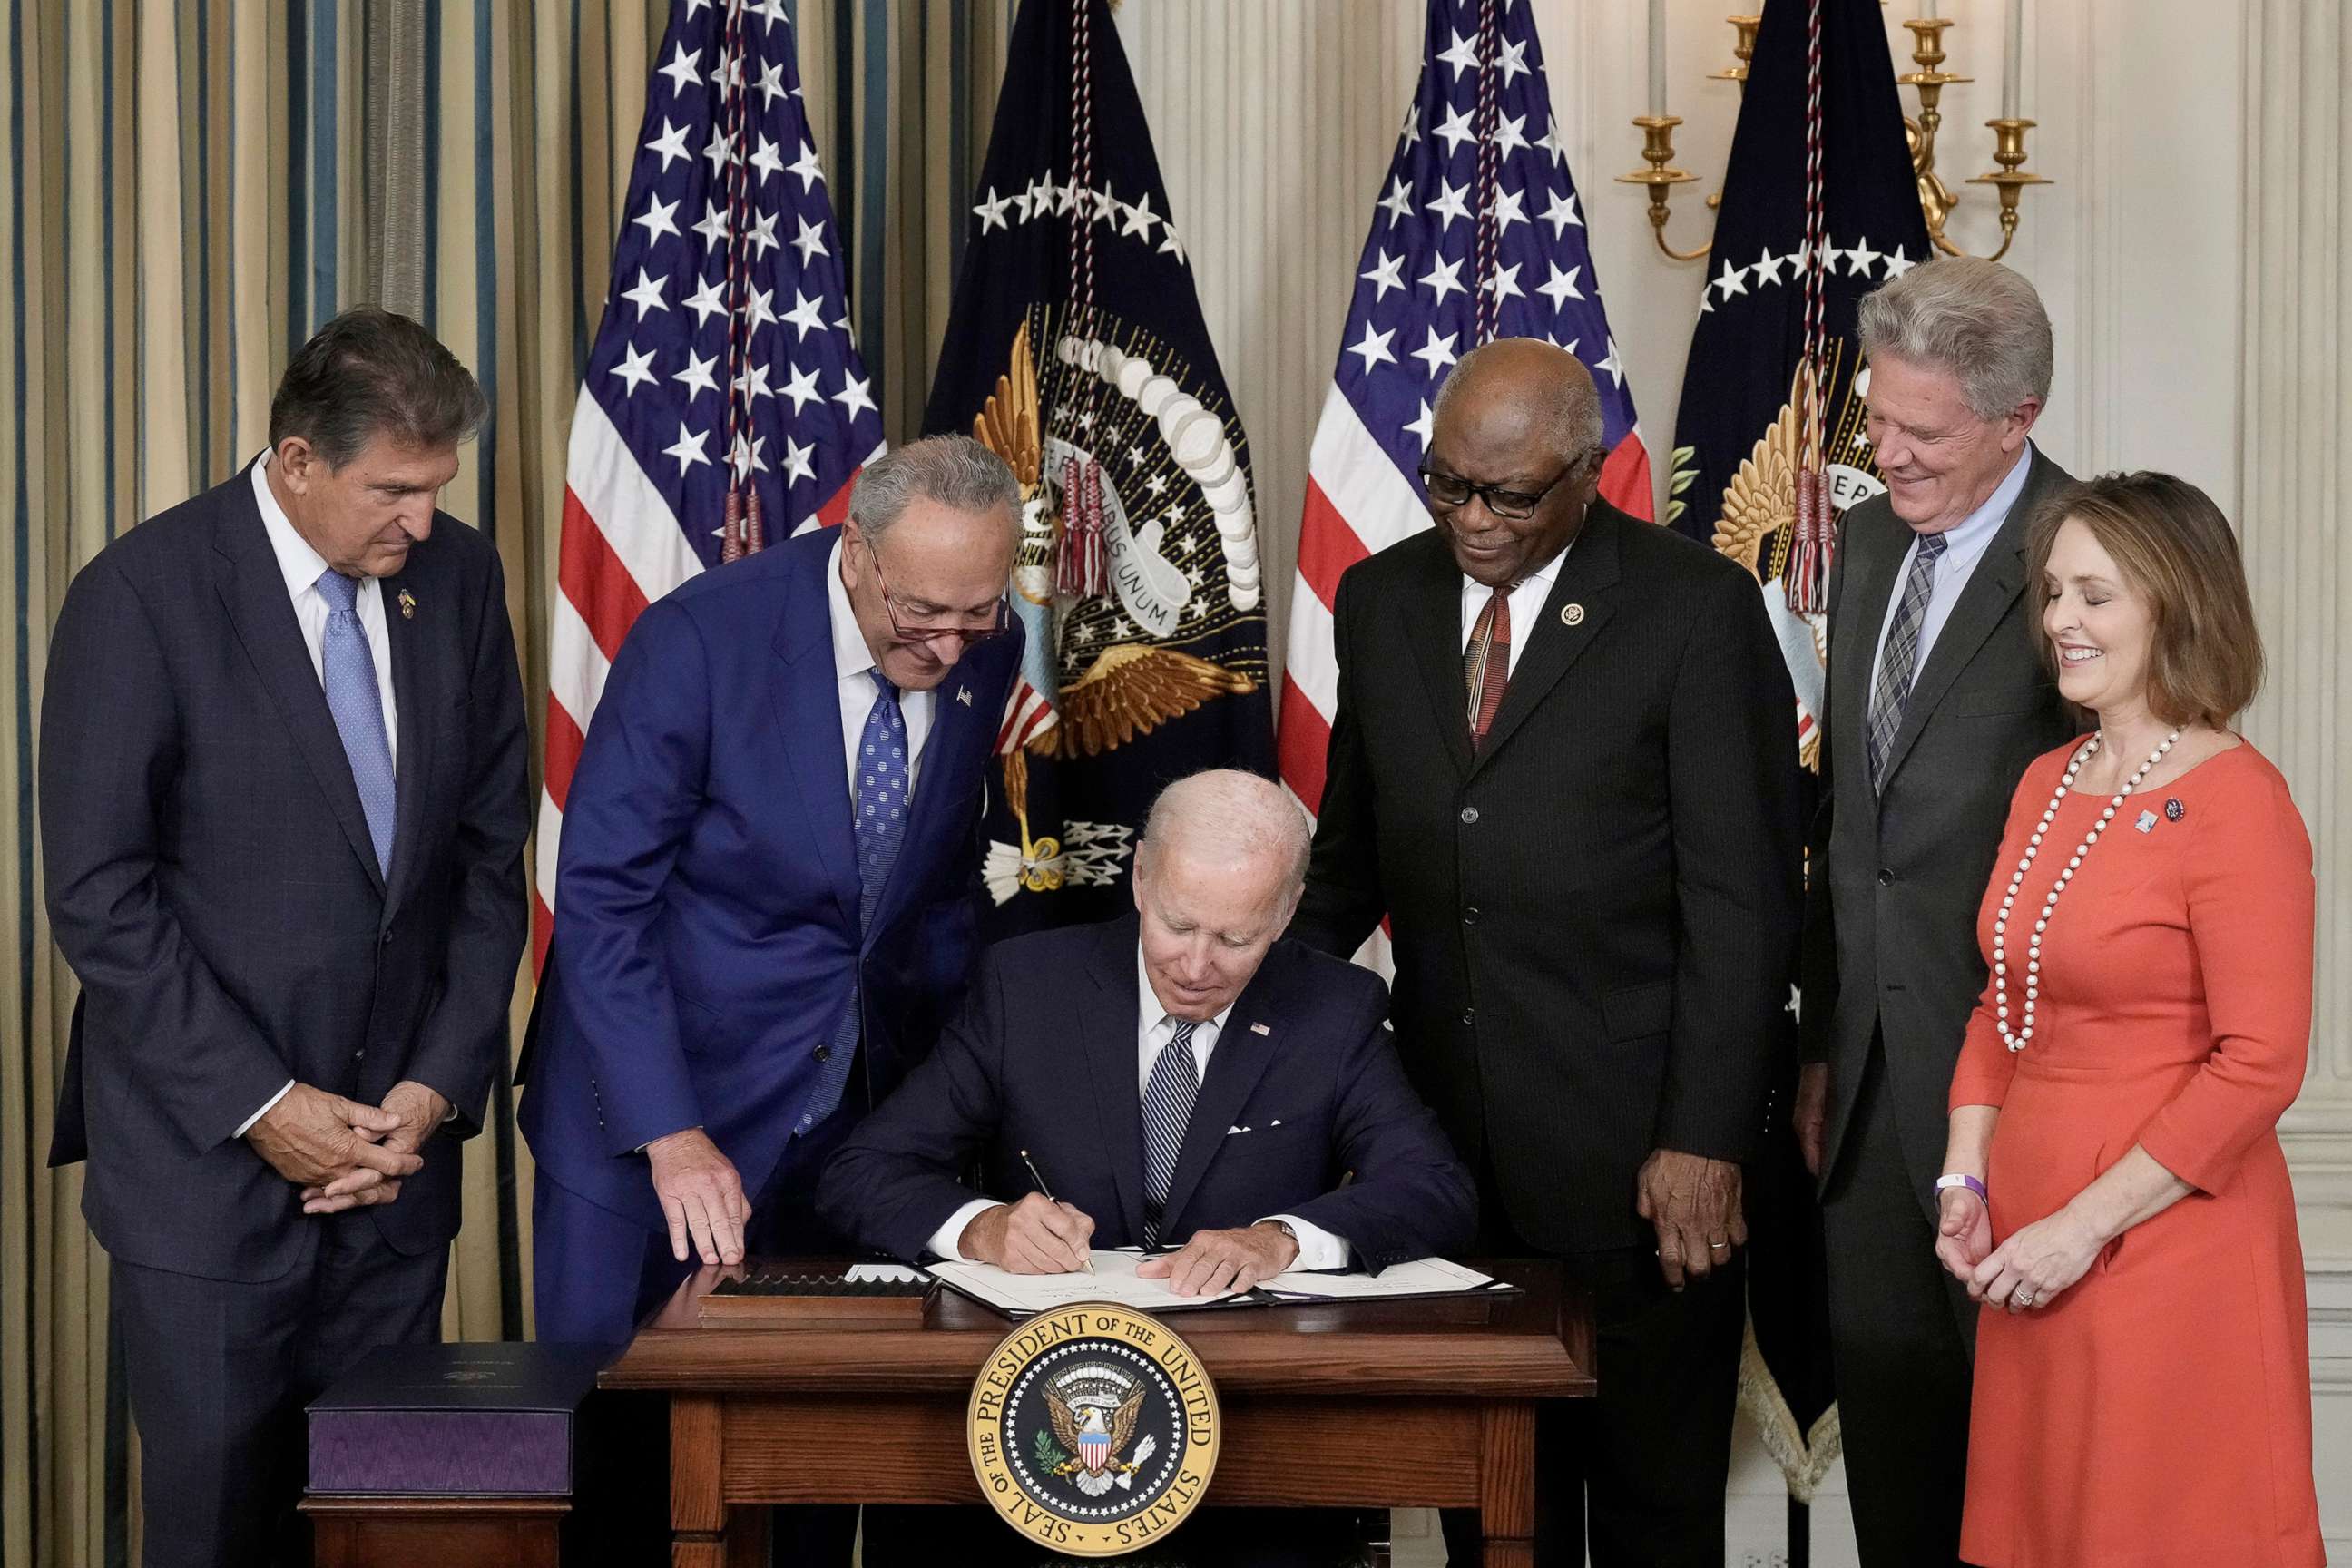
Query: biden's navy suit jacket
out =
(1304, 1110)
(706, 935)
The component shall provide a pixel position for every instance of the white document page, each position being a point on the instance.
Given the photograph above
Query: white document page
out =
(1429, 1276)
(1114, 1280)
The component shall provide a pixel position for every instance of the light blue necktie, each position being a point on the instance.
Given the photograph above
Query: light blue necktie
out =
(348, 670)
(1167, 1112)
(882, 805)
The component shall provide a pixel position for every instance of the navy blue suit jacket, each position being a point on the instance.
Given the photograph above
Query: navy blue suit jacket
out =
(212, 882)
(707, 936)
(1044, 1058)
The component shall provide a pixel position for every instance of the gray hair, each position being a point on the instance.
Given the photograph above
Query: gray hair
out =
(1977, 321)
(953, 471)
(1575, 412)
(371, 373)
(1237, 814)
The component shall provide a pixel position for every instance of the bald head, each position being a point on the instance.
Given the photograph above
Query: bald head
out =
(1517, 430)
(1223, 863)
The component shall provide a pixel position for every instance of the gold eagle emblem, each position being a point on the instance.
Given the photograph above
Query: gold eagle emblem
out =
(1132, 690)
(1761, 498)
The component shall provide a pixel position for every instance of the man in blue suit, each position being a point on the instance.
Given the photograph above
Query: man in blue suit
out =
(1179, 1075)
(765, 897)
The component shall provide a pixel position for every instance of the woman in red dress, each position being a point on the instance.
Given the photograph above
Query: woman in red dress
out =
(2116, 1194)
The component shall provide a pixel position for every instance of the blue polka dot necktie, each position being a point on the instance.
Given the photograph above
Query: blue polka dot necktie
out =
(347, 669)
(881, 803)
(1167, 1112)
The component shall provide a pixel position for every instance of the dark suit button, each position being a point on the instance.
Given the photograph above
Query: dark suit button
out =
(386, 938)
(359, 1055)
(1886, 877)
(1470, 915)
(1469, 1016)
(825, 1053)
(1469, 813)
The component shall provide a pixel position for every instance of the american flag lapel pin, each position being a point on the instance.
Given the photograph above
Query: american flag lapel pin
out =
(1260, 1029)
(407, 605)
(963, 695)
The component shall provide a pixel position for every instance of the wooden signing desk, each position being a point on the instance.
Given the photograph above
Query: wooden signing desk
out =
(1424, 1403)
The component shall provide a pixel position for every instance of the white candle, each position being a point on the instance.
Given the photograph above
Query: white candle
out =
(2013, 61)
(1658, 60)
(1927, 10)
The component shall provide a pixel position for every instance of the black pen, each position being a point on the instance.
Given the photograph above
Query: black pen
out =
(1048, 1192)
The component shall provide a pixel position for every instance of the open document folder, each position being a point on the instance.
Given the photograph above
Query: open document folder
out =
(1114, 1279)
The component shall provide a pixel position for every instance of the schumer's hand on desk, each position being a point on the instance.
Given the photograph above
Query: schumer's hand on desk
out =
(1812, 1112)
(1963, 1234)
(1215, 1261)
(310, 1137)
(702, 1197)
(421, 1110)
(1035, 1235)
(1694, 1204)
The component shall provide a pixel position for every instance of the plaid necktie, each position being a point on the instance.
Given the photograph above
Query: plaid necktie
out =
(1486, 665)
(348, 670)
(1167, 1111)
(1891, 693)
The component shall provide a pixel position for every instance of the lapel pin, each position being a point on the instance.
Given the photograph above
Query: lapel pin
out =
(2146, 823)
(2173, 810)
(1260, 1029)
(407, 605)
(963, 695)
(1571, 615)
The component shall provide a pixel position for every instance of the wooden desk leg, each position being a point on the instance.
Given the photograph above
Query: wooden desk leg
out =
(697, 1513)
(1507, 1483)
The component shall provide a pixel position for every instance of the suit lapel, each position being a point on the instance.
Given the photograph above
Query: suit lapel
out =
(948, 752)
(253, 591)
(1991, 589)
(1432, 625)
(1106, 1035)
(808, 710)
(412, 709)
(1586, 573)
(1240, 1060)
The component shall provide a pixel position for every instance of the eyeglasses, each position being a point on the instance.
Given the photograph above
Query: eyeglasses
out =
(1452, 491)
(918, 631)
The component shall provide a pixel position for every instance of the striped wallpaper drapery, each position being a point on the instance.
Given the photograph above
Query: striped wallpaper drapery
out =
(193, 187)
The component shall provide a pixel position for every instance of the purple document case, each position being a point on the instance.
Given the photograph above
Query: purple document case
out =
(464, 1420)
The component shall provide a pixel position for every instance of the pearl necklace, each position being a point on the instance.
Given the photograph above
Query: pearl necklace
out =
(2017, 1042)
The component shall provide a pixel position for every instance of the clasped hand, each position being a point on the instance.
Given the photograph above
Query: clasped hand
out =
(2023, 1273)
(1694, 1205)
(345, 1153)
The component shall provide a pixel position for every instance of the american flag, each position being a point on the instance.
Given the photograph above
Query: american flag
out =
(1477, 234)
(724, 363)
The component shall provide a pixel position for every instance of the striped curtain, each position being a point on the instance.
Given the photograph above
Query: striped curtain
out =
(192, 187)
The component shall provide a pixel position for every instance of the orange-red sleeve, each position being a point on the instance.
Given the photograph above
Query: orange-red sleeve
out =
(2250, 896)
(1982, 1075)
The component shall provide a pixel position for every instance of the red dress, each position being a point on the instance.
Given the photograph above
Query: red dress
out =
(2158, 1413)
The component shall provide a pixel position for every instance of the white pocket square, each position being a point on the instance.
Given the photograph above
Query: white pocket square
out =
(1235, 1131)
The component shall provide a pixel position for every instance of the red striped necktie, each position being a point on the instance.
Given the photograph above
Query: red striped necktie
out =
(1486, 664)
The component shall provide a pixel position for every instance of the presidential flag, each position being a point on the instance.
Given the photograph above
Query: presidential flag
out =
(724, 405)
(1820, 206)
(1477, 234)
(1076, 349)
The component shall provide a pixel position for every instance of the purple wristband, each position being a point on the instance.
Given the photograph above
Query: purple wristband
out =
(1974, 1185)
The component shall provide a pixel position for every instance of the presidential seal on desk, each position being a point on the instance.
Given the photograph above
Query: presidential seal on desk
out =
(1093, 1430)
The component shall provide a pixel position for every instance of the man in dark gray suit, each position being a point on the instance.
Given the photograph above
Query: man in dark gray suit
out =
(1935, 702)
(282, 816)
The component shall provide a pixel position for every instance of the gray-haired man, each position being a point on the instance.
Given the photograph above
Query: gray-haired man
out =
(1935, 702)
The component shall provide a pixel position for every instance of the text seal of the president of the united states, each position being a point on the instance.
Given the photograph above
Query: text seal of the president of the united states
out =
(1093, 1430)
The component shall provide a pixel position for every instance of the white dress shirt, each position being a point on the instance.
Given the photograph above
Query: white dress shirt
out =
(1154, 1027)
(1966, 544)
(302, 567)
(852, 662)
(1527, 601)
